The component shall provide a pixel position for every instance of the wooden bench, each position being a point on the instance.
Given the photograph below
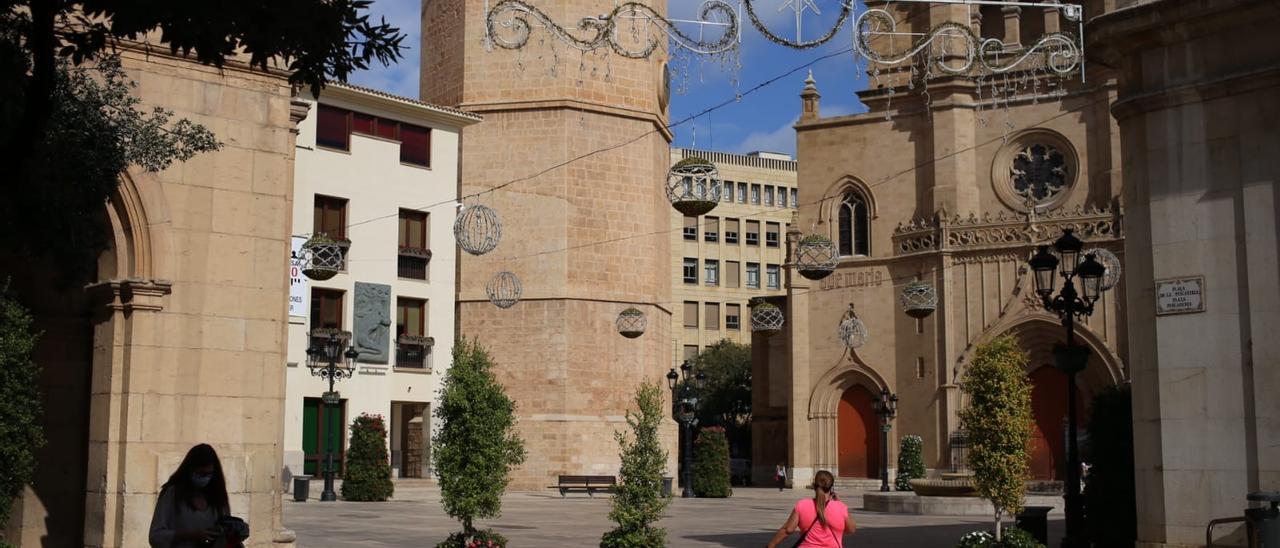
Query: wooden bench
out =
(587, 483)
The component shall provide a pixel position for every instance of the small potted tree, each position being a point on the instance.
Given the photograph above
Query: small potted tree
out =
(368, 472)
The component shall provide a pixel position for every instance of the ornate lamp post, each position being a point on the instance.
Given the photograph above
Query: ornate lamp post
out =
(684, 409)
(887, 408)
(1070, 358)
(327, 360)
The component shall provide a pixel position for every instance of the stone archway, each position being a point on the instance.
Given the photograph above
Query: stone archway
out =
(1038, 335)
(84, 330)
(843, 431)
(858, 437)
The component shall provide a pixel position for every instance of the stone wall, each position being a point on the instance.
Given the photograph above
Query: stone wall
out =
(1198, 120)
(586, 240)
(188, 318)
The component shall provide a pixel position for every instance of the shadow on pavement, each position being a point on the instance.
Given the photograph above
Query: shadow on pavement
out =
(925, 536)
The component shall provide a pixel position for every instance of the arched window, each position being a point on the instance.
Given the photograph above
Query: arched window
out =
(855, 225)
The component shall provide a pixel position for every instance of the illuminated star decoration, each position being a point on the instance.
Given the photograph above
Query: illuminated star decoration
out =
(799, 6)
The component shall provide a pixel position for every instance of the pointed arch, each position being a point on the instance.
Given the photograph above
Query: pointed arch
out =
(849, 207)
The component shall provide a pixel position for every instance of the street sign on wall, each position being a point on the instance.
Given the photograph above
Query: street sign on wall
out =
(1180, 295)
(298, 283)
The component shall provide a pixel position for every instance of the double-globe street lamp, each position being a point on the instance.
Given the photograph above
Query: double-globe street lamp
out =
(684, 409)
(1070, 358)
(327, 360)
(887, 409)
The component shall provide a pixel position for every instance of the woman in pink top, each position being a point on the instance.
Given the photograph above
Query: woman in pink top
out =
(822, 520)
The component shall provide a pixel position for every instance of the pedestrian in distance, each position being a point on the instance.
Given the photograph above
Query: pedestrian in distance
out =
(193, 509)
(822, 520)
(780, 475)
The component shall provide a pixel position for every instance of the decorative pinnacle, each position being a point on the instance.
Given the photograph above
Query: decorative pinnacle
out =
(810, 83)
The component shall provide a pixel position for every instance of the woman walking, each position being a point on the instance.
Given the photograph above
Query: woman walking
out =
(822, 520)
(780, 475)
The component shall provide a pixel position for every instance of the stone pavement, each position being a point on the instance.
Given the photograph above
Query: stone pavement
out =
(748, 519)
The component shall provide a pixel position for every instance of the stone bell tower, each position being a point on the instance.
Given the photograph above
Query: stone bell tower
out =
(587, 239)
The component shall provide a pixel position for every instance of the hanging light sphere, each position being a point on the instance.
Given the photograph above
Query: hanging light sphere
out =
(322, 257)
(631, 323)
(853, 333)
(919, 299)
(766, 319)
(1112, 263)
(816, 257)
(693, 186)
(504, 290)
(477, 229)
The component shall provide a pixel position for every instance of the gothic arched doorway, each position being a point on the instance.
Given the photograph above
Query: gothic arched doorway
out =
(858, 441)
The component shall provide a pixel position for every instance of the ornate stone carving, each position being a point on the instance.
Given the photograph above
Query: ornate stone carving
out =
(373, 322)
(1036, 170)
(1004, 230)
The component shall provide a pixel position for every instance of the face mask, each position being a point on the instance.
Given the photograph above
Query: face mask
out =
(201, 480)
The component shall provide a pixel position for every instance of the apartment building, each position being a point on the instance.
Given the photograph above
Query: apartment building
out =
(379, 172)
(735, 252)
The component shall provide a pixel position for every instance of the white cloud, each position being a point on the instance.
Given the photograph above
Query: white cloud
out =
(782, 138)
(402, 77)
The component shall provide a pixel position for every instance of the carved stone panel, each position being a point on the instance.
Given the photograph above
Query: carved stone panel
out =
(373, 322)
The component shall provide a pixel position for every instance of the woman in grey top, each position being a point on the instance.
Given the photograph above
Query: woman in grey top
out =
(191, 502)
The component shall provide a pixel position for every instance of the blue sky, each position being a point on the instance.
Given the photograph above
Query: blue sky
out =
(760, 121)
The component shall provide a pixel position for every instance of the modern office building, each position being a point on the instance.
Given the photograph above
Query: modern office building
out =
(734, 253)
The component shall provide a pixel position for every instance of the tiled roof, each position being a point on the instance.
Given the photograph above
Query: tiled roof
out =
(385, 95)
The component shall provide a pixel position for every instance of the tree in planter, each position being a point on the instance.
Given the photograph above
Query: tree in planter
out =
(998, 422)
(910, 461)
(476, 446)
(368, 472)
(1110, 494)
(20, 433)
(711, 463)
(638, 501)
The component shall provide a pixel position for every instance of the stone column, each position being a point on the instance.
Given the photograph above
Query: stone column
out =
(1012, 25)
(1198, 121)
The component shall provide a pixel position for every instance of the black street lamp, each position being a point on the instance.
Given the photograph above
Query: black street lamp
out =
(1070, 358)
(327, 360)
(684, 409)
(887, 408)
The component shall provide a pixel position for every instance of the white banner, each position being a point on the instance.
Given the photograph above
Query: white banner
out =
(298, 284)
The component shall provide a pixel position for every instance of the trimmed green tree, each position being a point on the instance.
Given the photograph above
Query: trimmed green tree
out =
(477, 445)
(1110, 495)
(726, 400)
(910, 461)
(638, 500)
(998, 422)
(711, 463)
(20, 433)
(368, 473)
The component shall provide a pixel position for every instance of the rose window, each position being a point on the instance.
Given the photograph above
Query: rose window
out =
(1039, 173)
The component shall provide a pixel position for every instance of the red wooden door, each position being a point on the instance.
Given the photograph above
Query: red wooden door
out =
(858, 439)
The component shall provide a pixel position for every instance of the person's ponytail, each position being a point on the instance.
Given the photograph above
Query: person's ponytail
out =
(822, 484)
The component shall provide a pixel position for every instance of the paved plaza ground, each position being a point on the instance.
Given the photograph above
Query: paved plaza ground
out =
(748, 519)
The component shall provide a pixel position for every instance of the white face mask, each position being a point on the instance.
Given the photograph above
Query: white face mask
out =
(201, 480)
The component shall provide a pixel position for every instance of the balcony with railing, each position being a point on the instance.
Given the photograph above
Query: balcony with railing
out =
(414, 352)
(412, 263)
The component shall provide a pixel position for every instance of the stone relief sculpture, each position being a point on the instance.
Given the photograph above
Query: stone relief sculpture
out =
(373, 322)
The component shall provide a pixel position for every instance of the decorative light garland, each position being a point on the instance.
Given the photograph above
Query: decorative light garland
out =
(509, 27)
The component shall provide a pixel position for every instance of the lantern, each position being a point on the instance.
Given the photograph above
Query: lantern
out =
(919, 299)
(323, 257)
(631, 323)
(1111, 263)
(693, 186)
(852, 332)
(504, 290)
(766, 319)
(816, 257)
(477, 229)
